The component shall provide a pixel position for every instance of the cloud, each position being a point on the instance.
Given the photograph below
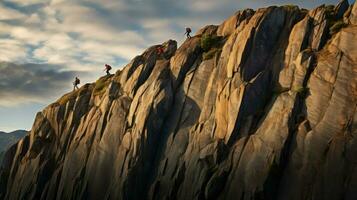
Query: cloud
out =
(74, 32)
(12, 50)
(205, 5)
(73, 36)
(29, 83)
(8, 13)
(29, 36)
(27, 2)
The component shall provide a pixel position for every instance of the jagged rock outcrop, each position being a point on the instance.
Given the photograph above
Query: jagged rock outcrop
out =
(262, 106)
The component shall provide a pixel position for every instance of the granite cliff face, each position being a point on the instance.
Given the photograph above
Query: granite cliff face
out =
(262, 106)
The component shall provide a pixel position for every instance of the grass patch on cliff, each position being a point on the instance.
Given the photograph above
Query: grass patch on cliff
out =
(211, 53)
(337, 26)
(67, 97)
(211, 45)
(99, 88)
(278, 89)
(101, 84)
(334, 23)
(301, 90)
(330, 12)
(291, 6)
(210, 41)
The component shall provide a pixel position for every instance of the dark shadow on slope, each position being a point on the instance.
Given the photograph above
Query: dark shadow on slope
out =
(297, 116)
(264, 90)
(184, 114)
(259, 95)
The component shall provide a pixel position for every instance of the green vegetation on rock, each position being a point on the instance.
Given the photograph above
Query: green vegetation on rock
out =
(211, 53)
(99, 88)
(101, 84)
(291, 6)
(278, 89)
(330, 12)
(73, 94)
(300, 90)
(337, 26)
(209, 41)
(211, 45)
(67, 97)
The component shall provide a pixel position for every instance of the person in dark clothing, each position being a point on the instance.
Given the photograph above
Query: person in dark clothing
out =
(76, 82)
(188, 31)
(107, 69)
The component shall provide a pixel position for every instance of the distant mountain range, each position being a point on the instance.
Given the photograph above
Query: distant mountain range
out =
(8, 139)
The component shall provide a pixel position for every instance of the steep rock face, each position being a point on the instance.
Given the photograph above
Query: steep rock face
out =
(271, 114)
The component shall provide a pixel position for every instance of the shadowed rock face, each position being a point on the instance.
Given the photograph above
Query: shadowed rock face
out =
(271, 115)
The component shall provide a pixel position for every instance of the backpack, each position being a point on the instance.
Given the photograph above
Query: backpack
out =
(188, 30)
(78, 81)
(108, 67)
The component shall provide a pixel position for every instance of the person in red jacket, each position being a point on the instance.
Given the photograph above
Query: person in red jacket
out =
(160, 50)
(107, 69)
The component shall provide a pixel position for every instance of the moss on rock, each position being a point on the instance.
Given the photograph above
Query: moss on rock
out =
(210, 41)
(101, 84)
(337, 26)
(211, 53)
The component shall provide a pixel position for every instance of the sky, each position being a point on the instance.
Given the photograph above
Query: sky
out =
(44, 44)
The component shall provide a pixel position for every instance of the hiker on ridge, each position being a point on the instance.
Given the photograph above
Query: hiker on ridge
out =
(76, 82)
(107, 69)
(188, 31)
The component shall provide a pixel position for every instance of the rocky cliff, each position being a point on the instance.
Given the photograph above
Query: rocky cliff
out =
(262, 106)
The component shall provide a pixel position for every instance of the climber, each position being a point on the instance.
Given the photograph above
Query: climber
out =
(107, 68)
(160, 50)
(188, 31)
(76, 82)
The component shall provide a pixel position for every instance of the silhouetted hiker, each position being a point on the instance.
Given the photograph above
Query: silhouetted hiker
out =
(160, 50)
(76, 82)
(188, 31)
(107, 68)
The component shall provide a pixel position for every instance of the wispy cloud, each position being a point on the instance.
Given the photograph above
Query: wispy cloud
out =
(12, 49)
(29, 83)
(8, 13)
(27, 2)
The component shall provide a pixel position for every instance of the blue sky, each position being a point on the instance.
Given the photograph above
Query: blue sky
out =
(45, 43)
